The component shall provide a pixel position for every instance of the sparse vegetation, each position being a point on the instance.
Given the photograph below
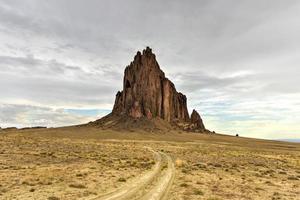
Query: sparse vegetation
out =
(198, 192)
(77, 185)
(122, 180)
(184, 185)
(207, 167)
(53, 198)
(294, 178)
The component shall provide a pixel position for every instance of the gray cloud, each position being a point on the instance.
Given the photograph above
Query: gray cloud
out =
(54, 83)
(72, 53)
(28, 116)
(199, 80)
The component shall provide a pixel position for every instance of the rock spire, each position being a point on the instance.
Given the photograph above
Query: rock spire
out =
(148, 93)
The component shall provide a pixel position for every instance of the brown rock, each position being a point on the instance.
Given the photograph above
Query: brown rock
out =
(196, 120)
(148, 114)
(135, 110)
(118, 106)
(144, 82)
(148, 93)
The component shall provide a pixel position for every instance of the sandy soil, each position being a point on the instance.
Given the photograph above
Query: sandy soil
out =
(88, 163)
(39, 168)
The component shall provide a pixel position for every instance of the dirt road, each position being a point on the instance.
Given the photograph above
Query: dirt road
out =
(153, 185)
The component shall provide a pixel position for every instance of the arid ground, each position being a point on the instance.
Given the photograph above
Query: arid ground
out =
(89, 163)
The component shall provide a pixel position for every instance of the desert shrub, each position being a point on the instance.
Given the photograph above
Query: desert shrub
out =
(200, 165)
(282, 172)
(28, 183)
(45, 183)
(79, 175)
(198, 192)
(258, 188)
(152, 162)
(184, 185)
(217, 165)
(3, 190)
(77, 185)
(276, 194)
(165, 166)
(122, 180)
(293, 178)
(199, 183)
(53, 198)
(268, 182)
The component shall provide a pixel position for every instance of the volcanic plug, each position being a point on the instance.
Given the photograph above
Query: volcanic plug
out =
(148, 95)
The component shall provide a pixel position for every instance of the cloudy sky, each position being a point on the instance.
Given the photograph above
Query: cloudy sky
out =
(238, 61)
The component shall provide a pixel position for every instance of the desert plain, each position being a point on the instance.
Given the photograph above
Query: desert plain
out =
(91, 163)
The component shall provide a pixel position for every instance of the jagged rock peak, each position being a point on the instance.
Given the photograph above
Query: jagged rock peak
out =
(196, 120)
(148, 93)
(147, 51)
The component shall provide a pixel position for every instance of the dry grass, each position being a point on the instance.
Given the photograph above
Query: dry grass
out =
(37, 167)
(72, 163)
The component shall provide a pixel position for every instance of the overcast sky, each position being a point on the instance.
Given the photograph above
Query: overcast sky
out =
(238, 61)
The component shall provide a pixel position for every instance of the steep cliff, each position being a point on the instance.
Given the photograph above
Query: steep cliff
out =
(147, 93)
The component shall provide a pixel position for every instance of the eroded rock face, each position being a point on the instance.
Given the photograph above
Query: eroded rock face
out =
(196, 120)
(136, 110)
(147, 92)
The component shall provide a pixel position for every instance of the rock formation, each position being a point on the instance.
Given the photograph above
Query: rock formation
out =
(196, 120)
(148, 94)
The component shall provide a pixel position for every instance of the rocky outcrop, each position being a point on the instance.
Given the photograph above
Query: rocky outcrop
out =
(148, 93)
(196, 120)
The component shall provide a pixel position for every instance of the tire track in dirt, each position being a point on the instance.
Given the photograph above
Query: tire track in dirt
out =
(161, 189)
(158, 179)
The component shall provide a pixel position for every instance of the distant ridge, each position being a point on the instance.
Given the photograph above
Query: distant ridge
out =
(290, 140)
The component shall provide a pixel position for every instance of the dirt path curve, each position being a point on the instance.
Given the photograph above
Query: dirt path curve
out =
(162, 181)
(161, 189)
